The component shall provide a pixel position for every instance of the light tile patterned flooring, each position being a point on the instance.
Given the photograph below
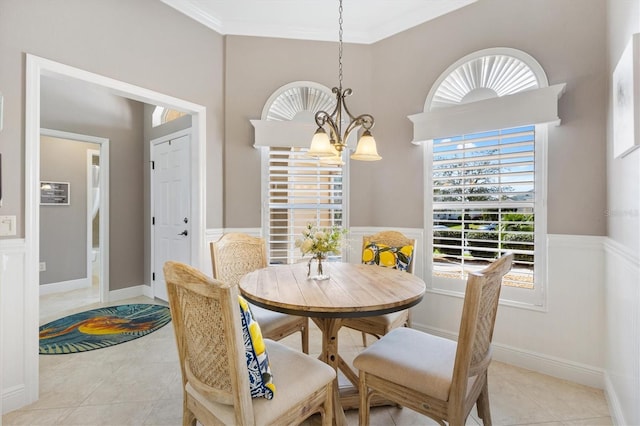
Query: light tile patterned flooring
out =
(138, 383)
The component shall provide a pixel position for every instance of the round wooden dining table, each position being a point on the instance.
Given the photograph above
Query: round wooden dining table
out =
(352, 290)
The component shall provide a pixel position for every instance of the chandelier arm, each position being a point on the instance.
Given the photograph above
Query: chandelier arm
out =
(364, 120)
(322, 118)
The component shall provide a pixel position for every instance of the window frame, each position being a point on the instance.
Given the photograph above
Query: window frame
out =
(536, 299)
(265, 200)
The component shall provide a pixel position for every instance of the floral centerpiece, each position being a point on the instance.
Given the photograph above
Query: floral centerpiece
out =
(320, 242)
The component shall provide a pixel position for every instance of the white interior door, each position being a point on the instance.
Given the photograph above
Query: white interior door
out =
(171, 203)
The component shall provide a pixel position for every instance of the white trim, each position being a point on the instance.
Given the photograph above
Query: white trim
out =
(365, 33)
(104, 150)
(614, 247)
(13, 398)
(622, 333)
(534, 361)
(536, 106)
(613, 400)
(130, 293)
(62, 286)
(90, 201)
(35, 68)
(12, 305)
(195, 13)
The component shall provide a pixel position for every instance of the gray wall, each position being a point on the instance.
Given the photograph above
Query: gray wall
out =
(391, 80)
(257, 67)
(567, 39)
(78, 108)
(142, 42)
(63, 228)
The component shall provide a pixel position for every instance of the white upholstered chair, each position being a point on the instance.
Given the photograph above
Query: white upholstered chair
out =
(207, 323)
(235, 255)
(434, 376)
(381, 324)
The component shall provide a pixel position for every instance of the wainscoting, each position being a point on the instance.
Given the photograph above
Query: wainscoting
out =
(588, 333)
(16, 381)
(622, 343)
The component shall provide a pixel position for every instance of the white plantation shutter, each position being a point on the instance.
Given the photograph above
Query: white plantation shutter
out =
(484, 202)
(299, 190)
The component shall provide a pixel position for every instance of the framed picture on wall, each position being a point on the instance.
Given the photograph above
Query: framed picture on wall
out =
(55, 193)
(626, 100)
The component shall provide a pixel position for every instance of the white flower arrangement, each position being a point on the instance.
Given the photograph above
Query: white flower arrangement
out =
(320, 242)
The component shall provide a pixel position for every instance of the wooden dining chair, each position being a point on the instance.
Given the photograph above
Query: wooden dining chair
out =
(434, 376)
(208, 326)
(235, 255)
(390, 249)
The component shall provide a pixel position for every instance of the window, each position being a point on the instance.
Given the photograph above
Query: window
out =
(483, 191)
(298, 190)
(162, 115)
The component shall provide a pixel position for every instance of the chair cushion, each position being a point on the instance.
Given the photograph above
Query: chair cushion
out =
(417, 360)
(260, 377)
(270, 320)
(299, 376)
(387, 256)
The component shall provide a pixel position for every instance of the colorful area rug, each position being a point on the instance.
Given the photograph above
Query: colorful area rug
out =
(100, 328)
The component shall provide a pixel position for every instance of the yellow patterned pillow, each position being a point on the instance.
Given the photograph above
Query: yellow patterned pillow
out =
(260, 378)
(390, 257)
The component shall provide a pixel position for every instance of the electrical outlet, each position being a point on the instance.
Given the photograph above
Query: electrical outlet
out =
(43, 266)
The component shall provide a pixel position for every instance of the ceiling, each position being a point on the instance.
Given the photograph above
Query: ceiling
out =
(365, 21)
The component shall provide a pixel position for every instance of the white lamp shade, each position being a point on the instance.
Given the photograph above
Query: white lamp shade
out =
(320, 145)
(366, 149)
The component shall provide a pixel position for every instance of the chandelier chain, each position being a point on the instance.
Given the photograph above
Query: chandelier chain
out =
(340, 46)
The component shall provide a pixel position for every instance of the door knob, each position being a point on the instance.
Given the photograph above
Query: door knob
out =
(185, 233)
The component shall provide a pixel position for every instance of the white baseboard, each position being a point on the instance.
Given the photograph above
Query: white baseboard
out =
(130, 292)
(561, 368)
(617, 416)
(62, 286)
(13, 399)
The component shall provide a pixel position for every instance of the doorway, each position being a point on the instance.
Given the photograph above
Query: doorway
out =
(170, 206)
(82, 154)
(37, 67)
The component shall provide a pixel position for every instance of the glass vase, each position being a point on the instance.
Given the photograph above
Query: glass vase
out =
(315, 270)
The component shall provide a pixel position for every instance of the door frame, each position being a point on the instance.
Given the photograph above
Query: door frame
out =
(36, 67)
(103, 152)
(152, 145)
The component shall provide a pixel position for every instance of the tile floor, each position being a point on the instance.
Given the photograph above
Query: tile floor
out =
(138, 383)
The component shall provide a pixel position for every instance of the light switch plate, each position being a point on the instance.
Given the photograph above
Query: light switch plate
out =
(7, 226)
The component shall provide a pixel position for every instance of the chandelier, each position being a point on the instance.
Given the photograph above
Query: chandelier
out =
(329, 147)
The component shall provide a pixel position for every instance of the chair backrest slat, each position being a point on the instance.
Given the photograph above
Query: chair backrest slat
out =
(206, 318)
(482, 295)
(235, 255)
